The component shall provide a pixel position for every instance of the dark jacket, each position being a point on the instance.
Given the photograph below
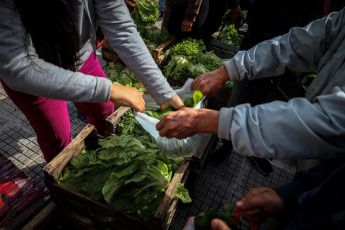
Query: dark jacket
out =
(315, 199)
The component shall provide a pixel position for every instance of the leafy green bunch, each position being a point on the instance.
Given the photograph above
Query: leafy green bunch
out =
(203, 220)
(145, 13)
(229, 35)
(123, 173)
(189, 60)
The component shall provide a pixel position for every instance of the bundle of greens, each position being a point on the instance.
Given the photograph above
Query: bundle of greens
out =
(229, 35)
(123, 173)
(189, 60)
(153, 38)
(227, 30)
(203, 220)
(145, 13)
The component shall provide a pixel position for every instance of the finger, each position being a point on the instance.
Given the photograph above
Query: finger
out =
(218, 224)
(160, 124)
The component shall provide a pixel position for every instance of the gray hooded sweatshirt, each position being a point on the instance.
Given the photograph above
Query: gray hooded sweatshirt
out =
(38, 77)
(311, 127)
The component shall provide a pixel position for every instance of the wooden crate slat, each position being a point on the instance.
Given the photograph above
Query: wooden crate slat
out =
(56, 165)
(164, 205)
(113, 120)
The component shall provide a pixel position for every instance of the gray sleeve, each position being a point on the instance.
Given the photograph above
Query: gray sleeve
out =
(301, 50)
(294, 130)
(118, 27)
(22, 70)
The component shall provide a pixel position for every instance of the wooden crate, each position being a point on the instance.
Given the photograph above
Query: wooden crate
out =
(77, 202)
(221, 49)
(159, 53)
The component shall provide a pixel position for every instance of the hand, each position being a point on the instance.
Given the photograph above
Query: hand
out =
(217, 224)
(186, 26)
(127, 96)
(258, 203)
(130, 3)
(212, 82)
(174, 102)
(187, 121)
(236, 12)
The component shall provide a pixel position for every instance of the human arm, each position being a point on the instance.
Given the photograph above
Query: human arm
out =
(296, 129)
(192, 12)
(22, 70)
(124, 38)
(187, 122)
(300, 50)
(281, 130)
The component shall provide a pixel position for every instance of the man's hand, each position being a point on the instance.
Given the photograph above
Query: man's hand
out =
(259, 202)
(186, 26)
(130, 3)
(174, 102)
(212, 82)
(128, 97)
(187, 121)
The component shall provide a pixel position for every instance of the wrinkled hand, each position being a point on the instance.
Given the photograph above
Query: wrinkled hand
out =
(217, 224)
(174, 102)
(186, 26)
(128, 97)
(212, 82)
(187, 121)
(130, 3)
(258, 203)
(236, 12)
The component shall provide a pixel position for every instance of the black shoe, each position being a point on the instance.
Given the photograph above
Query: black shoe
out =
(263, 166)
(220, 155)
(161, 14)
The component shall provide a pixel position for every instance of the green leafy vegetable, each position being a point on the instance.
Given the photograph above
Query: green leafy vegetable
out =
(123, 173)
(203, 220)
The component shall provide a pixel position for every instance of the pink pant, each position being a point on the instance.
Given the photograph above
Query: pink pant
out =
(49, 118)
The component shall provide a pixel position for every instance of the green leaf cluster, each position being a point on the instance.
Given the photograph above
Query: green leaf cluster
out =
(189, 60)
(203, 220)
(229, 35)
(145, 13)
(123, 173)
(120, 74)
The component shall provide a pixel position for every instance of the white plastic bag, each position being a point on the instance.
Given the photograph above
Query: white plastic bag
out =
(170, 147)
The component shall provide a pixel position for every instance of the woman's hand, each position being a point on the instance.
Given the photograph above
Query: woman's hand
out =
(186, 26)
(128, 97)
(187, 121)
(174, 102)
(212, 82)
(259, 202)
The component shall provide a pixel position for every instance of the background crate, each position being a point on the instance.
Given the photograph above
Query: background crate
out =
(221, 49)
(159, 53)
(69, 199)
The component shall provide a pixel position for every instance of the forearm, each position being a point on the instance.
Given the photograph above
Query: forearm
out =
(207, 121)
(300, 50)
(121, 32)
(192, 10)
(294, 130)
